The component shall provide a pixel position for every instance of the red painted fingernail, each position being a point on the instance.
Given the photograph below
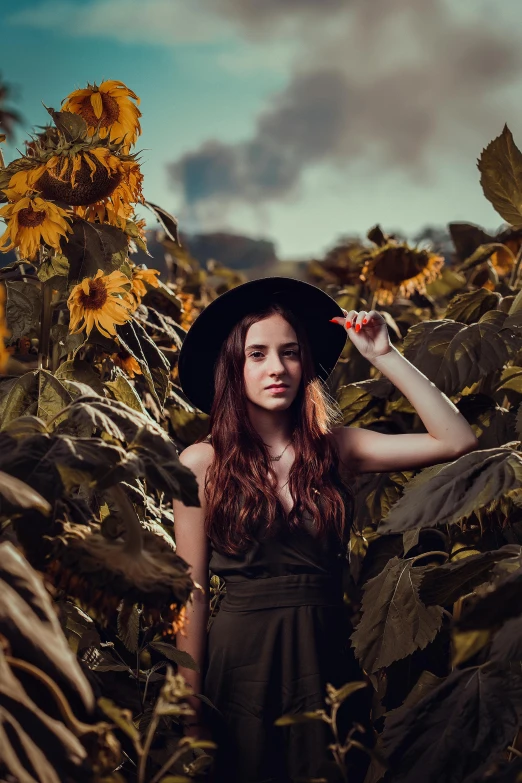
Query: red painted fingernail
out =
(348, 325)
(333, 321)
(365, 320)
(357, 327)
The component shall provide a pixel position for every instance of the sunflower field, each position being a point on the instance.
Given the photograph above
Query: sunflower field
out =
(92, 419)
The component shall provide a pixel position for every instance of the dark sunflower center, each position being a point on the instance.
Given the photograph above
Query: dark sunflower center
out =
(88, 188)
(97, 296)
(396, 265)
(29, 218)
(110, 111)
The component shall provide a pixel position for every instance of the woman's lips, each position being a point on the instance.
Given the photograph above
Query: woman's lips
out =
(277, 390)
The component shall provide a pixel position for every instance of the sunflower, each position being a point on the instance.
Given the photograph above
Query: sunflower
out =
(140, 276)
(4, 332)
(127, 363)
(107, 109)
(100, 301)
(100, 573)
(117, 208)
(30, 221)
(396, 268)
(84, 175)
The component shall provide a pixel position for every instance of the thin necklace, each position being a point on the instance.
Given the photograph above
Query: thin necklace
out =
(276, 459)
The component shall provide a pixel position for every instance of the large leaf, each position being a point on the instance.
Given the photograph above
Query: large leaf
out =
(146, 441)
(18, 494)
(28, 620)
(378, 493)
(112, 416)
(467, 237)
(493, 426)
(444, 584)
(455, 728)
(32, 740)
(500, 602)
(18, 396)
(162, 325)
(500, 166)
(23, 308)
(163, 470)
(454, 356)
(37, 393)
(128, 625)
(50, 463)
(168, 221)
(93, 461)
(469, 307)
(507, 644)
(28, 460)
(122, 389)
(52, 396)
(476, 480)
(394, 621)
(153, 364)
(179, 657)
(81, 371)
(94, 246)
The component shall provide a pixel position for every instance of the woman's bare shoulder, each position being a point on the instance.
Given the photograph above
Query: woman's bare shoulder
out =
(198, 457)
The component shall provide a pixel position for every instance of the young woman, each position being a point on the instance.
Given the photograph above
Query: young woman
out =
(275, 515)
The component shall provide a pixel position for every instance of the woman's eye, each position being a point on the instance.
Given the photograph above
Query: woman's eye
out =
(289, 350)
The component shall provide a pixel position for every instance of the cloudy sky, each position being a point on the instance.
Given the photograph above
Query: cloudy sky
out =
(294, 120)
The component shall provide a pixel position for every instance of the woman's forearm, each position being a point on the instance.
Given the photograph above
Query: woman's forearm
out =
(195, 644)
(438, 414)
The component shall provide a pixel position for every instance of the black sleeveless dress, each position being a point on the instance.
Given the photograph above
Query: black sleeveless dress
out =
(280, 634)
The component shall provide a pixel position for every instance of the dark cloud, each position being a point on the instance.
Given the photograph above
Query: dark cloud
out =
(261, 12)
(387, 83)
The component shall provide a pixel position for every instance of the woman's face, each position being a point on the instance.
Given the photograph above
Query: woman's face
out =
(272, 356)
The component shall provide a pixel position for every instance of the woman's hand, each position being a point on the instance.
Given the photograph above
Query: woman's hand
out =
(367, 331)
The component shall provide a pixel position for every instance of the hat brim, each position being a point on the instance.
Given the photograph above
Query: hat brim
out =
(206, 335)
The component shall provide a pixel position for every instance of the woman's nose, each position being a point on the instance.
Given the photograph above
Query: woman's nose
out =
(276, 364)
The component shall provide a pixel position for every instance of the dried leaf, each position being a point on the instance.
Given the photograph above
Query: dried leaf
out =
(500, 166)
(29, 621)
(168, 221)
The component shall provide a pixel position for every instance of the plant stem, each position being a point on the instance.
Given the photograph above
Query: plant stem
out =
(45, 326)
(148, 742)
(168, 764)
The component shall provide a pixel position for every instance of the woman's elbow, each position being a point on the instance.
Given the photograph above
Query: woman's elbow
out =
(467, 446)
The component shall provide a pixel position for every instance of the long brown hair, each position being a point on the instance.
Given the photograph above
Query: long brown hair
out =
(238, 493)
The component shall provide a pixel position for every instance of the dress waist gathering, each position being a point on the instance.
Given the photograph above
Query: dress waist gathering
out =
(281, 591)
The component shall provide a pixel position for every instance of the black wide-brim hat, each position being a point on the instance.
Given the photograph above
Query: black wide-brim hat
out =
(207, 334)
